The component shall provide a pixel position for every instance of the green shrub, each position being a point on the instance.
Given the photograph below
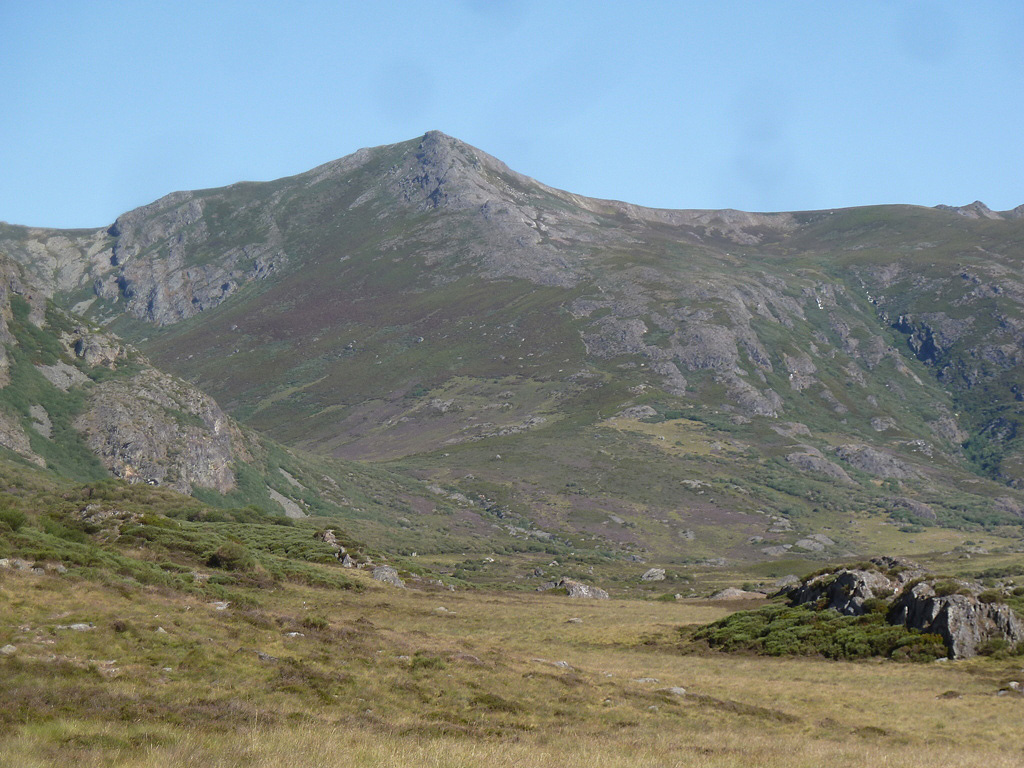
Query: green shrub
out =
(800, 631)
(422, 660)
(876, 605)
(945, 588)
(313, 621)
(994, 646)
(231, 556)
(12, 518)
(991, 596)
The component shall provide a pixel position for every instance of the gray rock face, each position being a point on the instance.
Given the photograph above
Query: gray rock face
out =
(157, 429)
(62, 375)
(964, 622)
(876, 462)
(155, 251)
(388, 575)
(808, 462)
(14, 438)
(95, 349)
(845, 591)
(916, 508)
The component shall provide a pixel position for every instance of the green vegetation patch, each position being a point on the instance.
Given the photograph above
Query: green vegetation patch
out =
(777, 630)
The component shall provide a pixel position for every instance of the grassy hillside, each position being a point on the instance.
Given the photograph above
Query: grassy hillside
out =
(162, 640)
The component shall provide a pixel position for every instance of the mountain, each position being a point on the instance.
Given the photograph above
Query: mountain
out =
(686, 386)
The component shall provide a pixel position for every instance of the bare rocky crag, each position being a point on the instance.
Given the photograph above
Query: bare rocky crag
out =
(160, 430)
(143, 425)
(917, 600)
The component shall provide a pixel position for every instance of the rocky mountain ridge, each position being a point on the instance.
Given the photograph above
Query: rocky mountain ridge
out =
(423, 303)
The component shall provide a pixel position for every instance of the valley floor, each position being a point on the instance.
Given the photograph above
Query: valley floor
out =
(109, 675)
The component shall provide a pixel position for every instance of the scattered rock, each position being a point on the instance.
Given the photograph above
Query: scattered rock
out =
(574, 621)
(79, 627)
(674, 691)
(388, 575)
(8, 650)
(645, 680)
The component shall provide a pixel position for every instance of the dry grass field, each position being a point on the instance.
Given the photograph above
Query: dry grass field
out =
(298, 676)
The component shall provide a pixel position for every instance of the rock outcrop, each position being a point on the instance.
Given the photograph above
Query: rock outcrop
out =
(876, 462)
(575, 588)
(154, 428)
(964, 622)
(951, 609)
(818, 464)
(845, 590)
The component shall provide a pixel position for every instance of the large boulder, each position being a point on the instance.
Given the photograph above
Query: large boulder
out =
(654, 574)
(963, 621)
(388, 575)
(575, 588)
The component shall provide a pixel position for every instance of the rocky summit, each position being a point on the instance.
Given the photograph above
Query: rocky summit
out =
(556, 372)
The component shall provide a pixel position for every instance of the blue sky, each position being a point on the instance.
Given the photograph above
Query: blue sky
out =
(758, 105)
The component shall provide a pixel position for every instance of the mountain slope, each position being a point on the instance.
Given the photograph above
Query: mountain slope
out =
(691, 383)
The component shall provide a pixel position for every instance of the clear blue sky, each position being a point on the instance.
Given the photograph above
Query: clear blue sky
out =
(758, 105)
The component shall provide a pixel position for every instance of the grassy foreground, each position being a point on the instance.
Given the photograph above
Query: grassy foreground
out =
(427, 677)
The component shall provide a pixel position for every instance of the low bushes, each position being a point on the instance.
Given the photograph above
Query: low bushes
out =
(777, 630)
